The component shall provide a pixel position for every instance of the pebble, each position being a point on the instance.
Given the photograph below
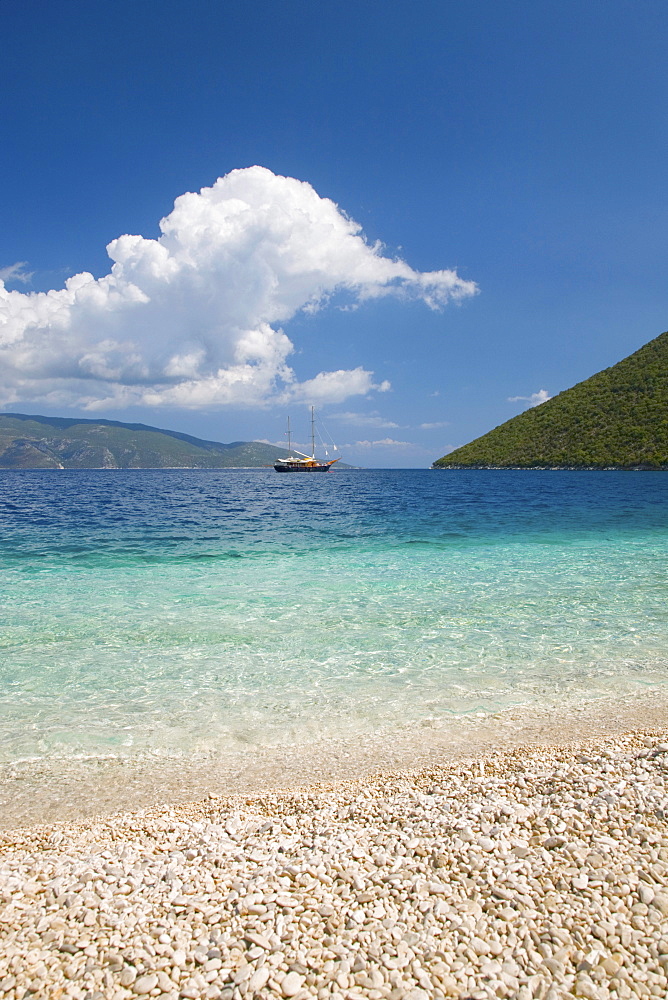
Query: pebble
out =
(145, 983)
(660, 901)
(292, 984)
(536, 874)
(258, 979)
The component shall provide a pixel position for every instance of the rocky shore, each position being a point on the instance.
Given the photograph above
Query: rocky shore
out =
(535, 873)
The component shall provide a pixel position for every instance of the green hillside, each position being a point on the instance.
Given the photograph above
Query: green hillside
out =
(617, 418)
(33, 442)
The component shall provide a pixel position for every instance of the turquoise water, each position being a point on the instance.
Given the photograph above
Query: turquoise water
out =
(178, 610)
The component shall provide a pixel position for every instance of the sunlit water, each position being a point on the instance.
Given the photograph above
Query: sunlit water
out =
(178, 611)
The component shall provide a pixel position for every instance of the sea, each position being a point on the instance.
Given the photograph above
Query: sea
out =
(252, 627)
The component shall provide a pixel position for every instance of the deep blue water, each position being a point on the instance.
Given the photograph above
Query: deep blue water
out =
(174, 610)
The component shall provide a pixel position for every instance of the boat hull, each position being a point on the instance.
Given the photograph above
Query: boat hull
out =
(320, 467)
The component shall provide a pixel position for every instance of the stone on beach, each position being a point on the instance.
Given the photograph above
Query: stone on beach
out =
(541, 875)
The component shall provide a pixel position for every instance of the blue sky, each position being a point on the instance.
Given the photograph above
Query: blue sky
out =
(521, 145)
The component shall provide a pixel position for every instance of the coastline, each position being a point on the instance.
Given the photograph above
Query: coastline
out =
(552, 468)
(537, 871)
(85, 788)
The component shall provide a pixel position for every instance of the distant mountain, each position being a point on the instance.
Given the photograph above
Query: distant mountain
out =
(33, 442)
(615, 419)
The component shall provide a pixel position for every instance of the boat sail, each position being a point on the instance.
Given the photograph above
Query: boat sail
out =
(299, 462)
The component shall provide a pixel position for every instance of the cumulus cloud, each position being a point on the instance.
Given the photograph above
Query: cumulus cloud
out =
(535, 399)
(435, 425)
(194, 318)
(334, 387)
(364, 419)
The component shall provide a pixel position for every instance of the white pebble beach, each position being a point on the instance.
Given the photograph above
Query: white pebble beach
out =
(535, 872)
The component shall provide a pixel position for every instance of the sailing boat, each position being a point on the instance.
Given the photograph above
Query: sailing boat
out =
(300, 462)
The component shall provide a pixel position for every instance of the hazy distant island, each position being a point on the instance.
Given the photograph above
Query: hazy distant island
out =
(616, 419)
(34, 442)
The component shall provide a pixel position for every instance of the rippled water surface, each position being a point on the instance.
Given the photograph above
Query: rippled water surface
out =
(187, 610)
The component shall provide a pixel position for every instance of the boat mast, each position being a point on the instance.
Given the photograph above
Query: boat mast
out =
(289, 444)
(312, 432)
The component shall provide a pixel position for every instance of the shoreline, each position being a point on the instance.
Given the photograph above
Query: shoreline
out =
(87, 788)
(538, 871)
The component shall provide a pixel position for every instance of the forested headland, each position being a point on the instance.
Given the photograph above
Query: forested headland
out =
(618, 418)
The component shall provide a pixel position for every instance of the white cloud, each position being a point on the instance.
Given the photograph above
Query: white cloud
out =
(384, 443)
(434, 426)
(16, 272)
(535, 399)
(334, 387)
(193, 319)
(364, 419)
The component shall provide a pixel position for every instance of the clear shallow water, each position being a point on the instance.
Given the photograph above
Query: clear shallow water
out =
(179, 611)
